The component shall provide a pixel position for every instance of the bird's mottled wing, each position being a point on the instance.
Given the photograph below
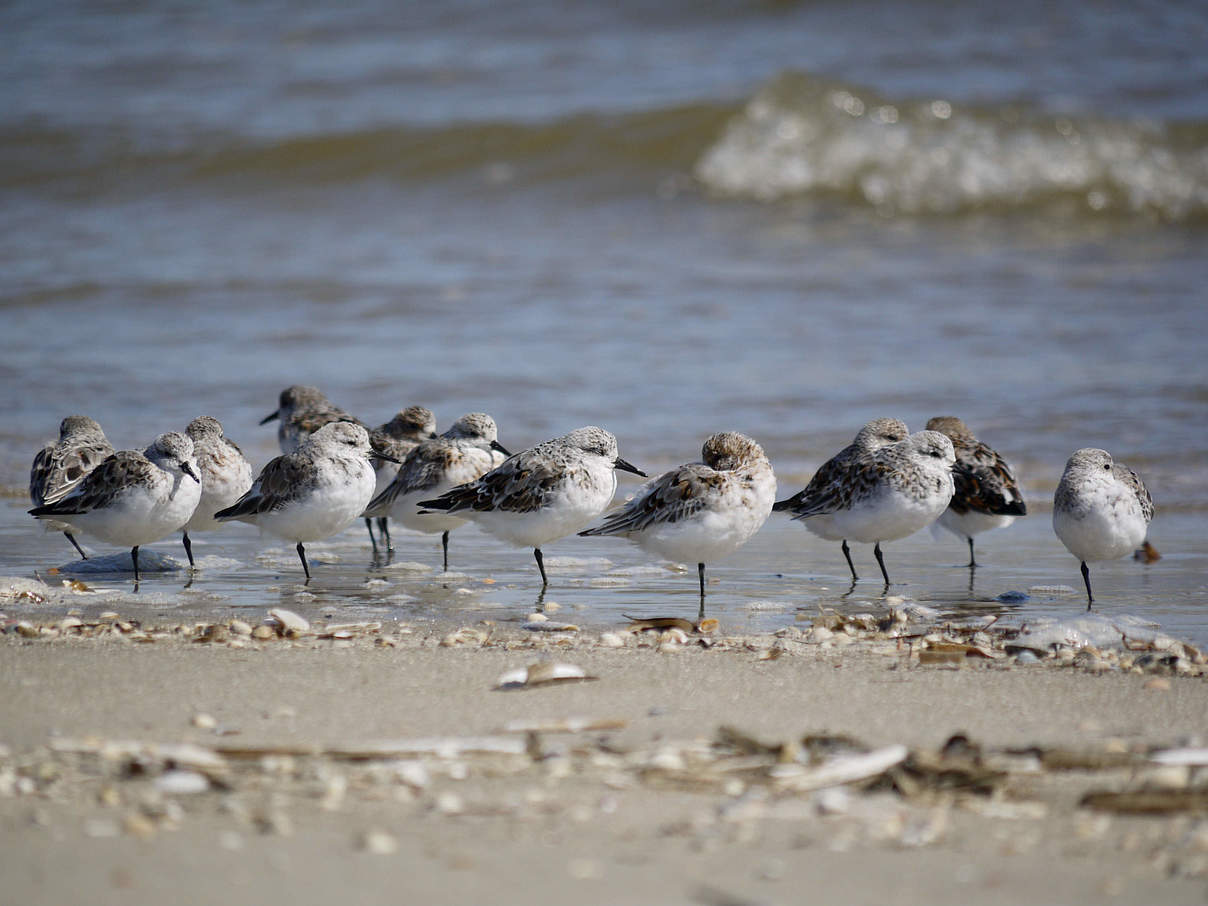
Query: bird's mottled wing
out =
(56, 474)
(423, 468)
(984, 483)
(824, 493)
(519, 485)
(277, 484)
(123, 469)
(671, 497)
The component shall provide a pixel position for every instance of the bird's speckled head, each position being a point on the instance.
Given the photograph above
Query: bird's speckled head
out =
(414, 421)
(728, 450)
(594, 440)
(880, 432)
(343, 434)
(952, 426)
(204, 426)
(300, 395)
(78, 425)
(933, 445)
(1089, 459)
(473, 426)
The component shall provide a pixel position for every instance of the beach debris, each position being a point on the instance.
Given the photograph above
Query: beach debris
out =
(20, 590)
(547, 625)
(377, 842)
(839, 771)
(1148, 801)
(661, 624)
(565, 725)
(543, 673)
(182, 783)
(349, 630)
(287, 623)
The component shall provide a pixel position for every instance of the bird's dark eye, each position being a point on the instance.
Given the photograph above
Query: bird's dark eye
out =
(1108, 466)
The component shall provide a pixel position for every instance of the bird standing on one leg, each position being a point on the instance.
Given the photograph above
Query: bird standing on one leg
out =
(1101, 510)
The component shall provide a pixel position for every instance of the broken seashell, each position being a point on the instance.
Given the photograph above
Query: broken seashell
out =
(543, 673)
(290, 622)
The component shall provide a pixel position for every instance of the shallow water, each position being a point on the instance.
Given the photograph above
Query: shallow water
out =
(773, 219)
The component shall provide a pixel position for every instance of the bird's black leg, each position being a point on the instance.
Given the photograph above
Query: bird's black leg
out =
(1086, 577)
(134, 560)
(876, 549)
(189, 550)
(972, 561)
(444, 544)
(302, 557)
(850, 565)
(70, 537)
(384, 532)
(541, 566)
(372, 540)
(700, 572)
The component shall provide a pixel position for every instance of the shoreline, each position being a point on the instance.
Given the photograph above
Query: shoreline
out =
(380, 760)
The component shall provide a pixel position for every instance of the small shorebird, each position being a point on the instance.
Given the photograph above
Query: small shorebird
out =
(313, 493)
(301, 411)
(225, 475)
(133, 498)
(60, 467)
(889, 494)
(828, 484)
(543, 493)
(700, 511)
(396, 438)
(467, 450)
(1101, 510)
(987, 495)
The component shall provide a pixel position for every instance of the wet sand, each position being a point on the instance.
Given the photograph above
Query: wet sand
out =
(383, 765)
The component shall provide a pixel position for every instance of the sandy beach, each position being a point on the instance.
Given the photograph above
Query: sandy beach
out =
(380, 761)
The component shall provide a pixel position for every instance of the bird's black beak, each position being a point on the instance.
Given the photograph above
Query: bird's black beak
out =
(384, 458)
(188, 470)
(499, 448)
(628, 467)
(270, 417)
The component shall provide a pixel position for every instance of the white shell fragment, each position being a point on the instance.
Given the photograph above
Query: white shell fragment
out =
(840, 770)
(543, 673)
(182, 783)
(289, 621)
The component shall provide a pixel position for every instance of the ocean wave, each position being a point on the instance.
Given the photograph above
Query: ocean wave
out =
(575, 147)
(805, 136)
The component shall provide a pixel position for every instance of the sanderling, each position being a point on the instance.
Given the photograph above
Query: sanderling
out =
(134, 498)
(467, 450)
(543, 493)
(225, 475)
(828, 484)
(700, 511)
(1101, 510)
(398, 437)
(316, 491)
(987, 495)
(59, 468)
(891, 493)
(302, 411)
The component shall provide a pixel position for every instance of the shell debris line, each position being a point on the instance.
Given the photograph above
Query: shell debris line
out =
(833, 786)
(910, 635)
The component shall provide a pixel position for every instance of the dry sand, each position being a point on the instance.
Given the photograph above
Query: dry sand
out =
(650, 809)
